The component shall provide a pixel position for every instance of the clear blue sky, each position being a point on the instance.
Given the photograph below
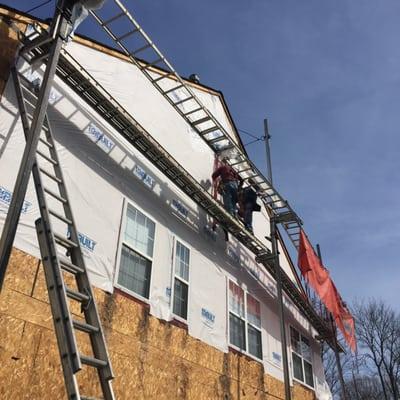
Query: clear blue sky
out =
(327, 75)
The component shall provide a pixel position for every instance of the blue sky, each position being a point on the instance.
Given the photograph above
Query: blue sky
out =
(327, 76)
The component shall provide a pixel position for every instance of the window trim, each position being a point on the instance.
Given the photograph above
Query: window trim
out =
(122, 243)
(174, 275)
(304, 383)
(238, 349)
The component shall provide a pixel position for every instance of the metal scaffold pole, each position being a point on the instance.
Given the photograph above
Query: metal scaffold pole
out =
(267, 137)
(274, 241)
(274, 220)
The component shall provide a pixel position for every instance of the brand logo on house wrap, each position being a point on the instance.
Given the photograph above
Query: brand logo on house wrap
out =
(178, 206)
(84, 241)
(208, 317)
(97, 136)
(6, 196)
(276, 357)
(144, 176)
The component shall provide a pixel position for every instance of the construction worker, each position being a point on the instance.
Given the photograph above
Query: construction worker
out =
(248, 204)
(230, 184)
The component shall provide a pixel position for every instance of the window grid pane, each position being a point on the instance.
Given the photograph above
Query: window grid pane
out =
(297, 367)
(139, 231)
(236, 299)
(134, 273)
(237, 332)
(305, 349)
(254, 339)
(180, 298)
(182, 258)
(308, 372)
(295, 340)
(253, 311)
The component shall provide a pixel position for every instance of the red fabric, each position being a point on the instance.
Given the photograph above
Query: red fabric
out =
(227, 173)
(318, 277)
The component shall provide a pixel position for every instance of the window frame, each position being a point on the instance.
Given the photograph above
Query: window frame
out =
(175, 276)
(121, 243)
(246, 321)
(303, 359)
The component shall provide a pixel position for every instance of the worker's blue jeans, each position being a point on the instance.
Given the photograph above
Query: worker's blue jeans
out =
(230, 197)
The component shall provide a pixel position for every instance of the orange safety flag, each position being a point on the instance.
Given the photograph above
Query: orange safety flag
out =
(319, 279)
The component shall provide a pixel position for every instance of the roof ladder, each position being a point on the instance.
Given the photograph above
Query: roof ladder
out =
(198, 113)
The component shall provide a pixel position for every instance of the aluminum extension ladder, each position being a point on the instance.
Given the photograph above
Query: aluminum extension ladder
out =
(129, 36)
(55, 210)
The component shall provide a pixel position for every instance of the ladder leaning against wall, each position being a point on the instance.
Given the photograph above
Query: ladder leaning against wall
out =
(67, 280)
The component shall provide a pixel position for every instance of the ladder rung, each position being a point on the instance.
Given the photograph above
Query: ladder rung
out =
(84, 327)
(78, 296)
(201, 120)
(93, 362)
(55, 195)
(150, 64)
(251, 177)
(51, 176)
(146, 46)
(115, 17)
(173, 89)
(162, 77)
(37, 42)
(238, 162)
(69, 267)
(213, 129)
(193, 111)
(60, 217)
(183, 101)
(244, 170)
(125, 35)
(46, 143)
(217, 139)
(50, 160)
(90, 398)
(65, 242)
(39, 58)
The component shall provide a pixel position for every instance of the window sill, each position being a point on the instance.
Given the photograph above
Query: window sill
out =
(130, 296)
(249, 357)
(301, 383)
(178, 323)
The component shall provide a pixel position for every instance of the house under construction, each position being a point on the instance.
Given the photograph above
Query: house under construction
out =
(120, 283)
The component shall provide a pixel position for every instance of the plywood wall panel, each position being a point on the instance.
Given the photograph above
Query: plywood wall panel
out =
(152, 359)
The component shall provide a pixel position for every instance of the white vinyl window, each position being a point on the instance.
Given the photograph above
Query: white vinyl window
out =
(301, 358)
(136, 252)
(181, 280)
(244, 321)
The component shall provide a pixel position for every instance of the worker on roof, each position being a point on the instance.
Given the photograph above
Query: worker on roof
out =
(231, 181)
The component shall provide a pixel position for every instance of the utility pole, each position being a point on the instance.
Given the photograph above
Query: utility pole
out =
(337, 355)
